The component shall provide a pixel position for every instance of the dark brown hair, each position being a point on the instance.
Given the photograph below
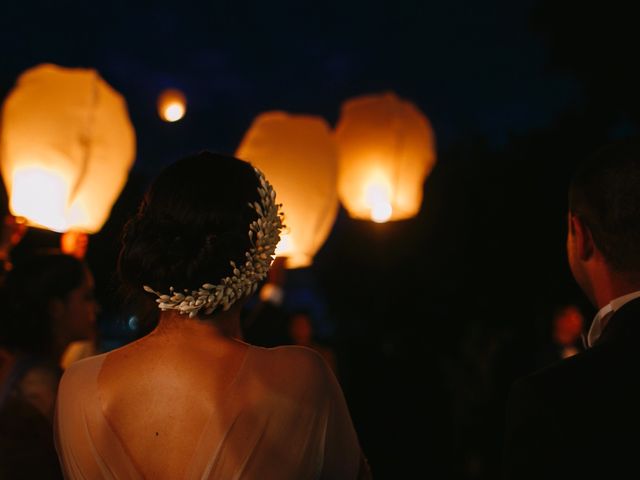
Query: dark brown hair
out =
(192, 222)
(605, 194)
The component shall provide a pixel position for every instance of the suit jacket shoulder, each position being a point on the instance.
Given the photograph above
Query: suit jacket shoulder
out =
(578, 414)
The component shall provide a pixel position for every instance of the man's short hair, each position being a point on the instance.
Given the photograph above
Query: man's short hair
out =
(605, 195)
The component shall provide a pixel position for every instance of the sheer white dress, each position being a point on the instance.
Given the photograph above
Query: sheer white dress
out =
(281, 416)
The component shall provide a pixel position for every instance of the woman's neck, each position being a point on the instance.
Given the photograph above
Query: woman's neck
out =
(223, 325)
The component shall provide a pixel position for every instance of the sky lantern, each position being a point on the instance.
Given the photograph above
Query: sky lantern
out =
(387, 149)
(66, 147)
(172, 105)
(298, 156)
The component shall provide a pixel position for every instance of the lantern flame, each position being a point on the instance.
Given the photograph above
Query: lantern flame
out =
(378, 201)
(381, 212)
(172, 105)
(40, 195)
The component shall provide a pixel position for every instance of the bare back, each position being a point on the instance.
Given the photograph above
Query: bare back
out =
(197, 409)
(159, 395)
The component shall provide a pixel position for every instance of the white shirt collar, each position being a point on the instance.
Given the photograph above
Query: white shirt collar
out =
(602, 317)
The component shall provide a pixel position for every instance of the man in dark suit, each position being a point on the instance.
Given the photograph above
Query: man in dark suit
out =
(581, 417)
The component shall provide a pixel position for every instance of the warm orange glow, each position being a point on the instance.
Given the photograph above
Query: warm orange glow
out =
(386, 150)
(41, 196)
(68, 145)
(74, 243)
(298, 156)
(377, 198)
(174, 112)
(172, 105)
(567, 326)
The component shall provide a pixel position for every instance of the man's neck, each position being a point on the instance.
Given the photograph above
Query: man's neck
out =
(614, 285)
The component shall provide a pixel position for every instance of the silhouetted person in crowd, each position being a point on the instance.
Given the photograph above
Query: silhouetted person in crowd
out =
(48, 304)
(566, 336)
(580, 418)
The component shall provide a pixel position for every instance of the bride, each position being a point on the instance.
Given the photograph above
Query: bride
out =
(191, 400)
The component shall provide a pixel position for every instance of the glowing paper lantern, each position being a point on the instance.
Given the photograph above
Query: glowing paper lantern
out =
(298, 155)
(66, 147)
(386, 152)
(172, 105)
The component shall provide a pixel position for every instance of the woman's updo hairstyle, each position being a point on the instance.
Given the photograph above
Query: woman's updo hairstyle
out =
(192, 222)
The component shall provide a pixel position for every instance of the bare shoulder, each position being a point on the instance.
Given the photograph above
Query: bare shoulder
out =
(77, 383)
(300, 365)
(296, 357)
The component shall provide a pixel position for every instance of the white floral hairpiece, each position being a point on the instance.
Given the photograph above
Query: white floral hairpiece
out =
(264, 235)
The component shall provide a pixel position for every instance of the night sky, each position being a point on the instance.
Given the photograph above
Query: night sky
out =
(472, 67)
(431, 318)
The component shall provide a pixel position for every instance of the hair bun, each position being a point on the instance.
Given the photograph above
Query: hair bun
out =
(190, 226)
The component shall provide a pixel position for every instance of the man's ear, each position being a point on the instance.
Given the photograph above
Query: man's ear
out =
(585, 247)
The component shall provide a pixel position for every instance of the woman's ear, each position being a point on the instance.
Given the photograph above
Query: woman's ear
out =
(585, 247)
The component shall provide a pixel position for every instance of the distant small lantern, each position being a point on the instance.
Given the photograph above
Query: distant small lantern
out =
(386, 150)
(172, 105)
(66, 148)
(298, 156)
